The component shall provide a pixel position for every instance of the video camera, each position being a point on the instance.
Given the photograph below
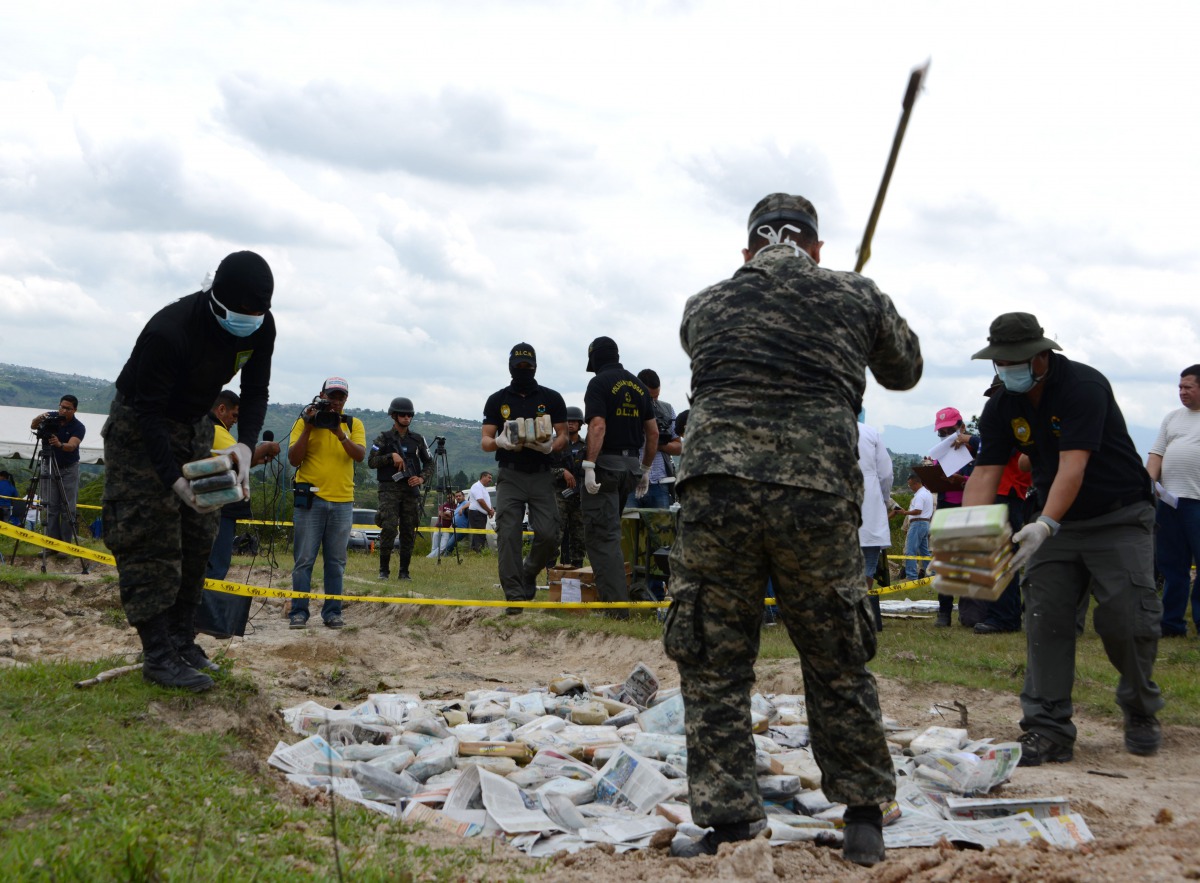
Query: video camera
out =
(439, 444)
(323, 415)
(52, 421)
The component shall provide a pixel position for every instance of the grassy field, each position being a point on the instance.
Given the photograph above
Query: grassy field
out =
(119, 784)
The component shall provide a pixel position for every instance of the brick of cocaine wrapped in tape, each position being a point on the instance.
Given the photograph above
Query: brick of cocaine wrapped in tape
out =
(965, 589)
(207, 466)
(975, 521)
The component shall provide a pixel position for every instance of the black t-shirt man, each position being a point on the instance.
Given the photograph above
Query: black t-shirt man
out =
(623, 401)
(1077, 412)
(511, 403)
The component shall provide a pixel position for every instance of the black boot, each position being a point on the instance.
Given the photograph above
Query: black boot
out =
(862, 837)
(385, 566)
(161, 663)
(181, 627)
(405, 560)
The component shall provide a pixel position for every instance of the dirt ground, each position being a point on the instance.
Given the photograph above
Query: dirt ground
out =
(1144, 812)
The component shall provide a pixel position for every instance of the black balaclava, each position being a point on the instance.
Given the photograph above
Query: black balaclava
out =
(602, 352)
(523, 380)
(244, 283)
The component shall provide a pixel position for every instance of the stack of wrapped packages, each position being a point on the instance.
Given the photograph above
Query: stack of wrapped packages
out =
(569, 765)
(972, 551)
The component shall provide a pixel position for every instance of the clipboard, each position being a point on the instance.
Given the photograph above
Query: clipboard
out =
(935, 479)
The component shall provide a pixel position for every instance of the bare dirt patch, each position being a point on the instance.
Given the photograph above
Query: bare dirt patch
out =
(1146, 823)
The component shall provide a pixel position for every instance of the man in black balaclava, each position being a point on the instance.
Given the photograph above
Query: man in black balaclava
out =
(159, 533)
(524, 477)
(619, 414)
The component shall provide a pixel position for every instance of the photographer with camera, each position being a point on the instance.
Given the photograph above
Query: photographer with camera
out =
(324, 446)
(402, 463)
(64, 434)
(659, 494)
(159, 534)
(567, 470)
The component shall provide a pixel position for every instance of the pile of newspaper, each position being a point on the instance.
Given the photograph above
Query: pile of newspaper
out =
(571, 765)
(972, 551)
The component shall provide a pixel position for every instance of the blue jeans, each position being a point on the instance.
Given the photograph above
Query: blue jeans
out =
(917, 543)
(1176, 546)
(658, 497)
(324, 528)
(222, 550)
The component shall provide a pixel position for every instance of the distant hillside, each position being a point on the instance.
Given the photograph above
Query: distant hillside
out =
(35, 388)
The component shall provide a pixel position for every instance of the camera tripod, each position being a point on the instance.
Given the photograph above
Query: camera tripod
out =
(442, 491)
(48, 478)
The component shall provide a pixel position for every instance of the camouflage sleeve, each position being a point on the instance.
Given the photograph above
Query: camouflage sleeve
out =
(895, 359)
(378, 455)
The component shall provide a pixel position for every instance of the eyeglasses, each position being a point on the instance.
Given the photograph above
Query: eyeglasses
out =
(402, 414)
(947, 432)
(336, 394)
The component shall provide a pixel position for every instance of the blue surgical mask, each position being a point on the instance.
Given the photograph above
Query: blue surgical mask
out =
(1017, 379)
(237, 324)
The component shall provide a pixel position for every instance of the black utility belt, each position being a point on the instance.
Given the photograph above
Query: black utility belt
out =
(621, 452)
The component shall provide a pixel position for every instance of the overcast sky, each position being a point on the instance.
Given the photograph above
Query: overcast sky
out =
(434, 182)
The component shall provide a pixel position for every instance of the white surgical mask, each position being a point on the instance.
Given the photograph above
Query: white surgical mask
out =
(1017, 379)
(775, 237)
(237, 324)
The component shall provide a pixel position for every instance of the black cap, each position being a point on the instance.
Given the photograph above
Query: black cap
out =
(522, 352)
(243, 283)
(602, 351)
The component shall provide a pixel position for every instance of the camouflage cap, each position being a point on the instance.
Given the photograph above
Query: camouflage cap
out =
(782, 207)
(1015, 337)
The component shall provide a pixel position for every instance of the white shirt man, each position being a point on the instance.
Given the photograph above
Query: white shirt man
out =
(1174, 461)
(480, 510)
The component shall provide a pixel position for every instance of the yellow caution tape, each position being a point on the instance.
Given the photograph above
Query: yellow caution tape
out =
(232, 588)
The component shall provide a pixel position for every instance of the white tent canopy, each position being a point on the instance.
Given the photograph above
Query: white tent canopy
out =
(17, 441)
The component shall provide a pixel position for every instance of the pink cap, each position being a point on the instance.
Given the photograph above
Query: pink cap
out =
(946, 418)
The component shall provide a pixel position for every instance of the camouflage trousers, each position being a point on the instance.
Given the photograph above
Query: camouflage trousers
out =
(161, 544)
(570, 534)
(399, 509)
(733, 535)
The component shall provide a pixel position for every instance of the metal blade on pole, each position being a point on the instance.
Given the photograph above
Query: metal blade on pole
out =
(915, 79)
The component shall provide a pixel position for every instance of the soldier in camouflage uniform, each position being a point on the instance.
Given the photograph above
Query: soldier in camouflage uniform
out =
(568, 476)
(778, 355)
(158, 532)
(403, 464)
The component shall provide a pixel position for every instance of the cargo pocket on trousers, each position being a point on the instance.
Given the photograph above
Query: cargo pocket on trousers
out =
(1149, 613)
(683, 629)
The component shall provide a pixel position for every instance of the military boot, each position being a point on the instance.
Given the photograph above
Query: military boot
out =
(862, 836)
(161, 662)
(181, 627)
(385, 566)
(405, 560)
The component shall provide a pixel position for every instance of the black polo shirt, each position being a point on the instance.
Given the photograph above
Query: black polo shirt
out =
(622, 400)
(507, 404)
(1077, 412)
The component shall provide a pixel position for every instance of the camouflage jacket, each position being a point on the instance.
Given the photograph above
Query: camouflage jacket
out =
(779, 354)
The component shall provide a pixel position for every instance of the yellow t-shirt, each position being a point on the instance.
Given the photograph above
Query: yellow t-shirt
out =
(326, 465)
(222, 438)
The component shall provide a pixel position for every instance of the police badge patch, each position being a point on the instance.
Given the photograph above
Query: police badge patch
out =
(505, 410)
(1021, 431)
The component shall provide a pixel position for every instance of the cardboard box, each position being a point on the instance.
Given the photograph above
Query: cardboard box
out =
(586, 578)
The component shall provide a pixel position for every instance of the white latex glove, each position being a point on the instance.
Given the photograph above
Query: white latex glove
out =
(242, 456)
(541, 447)
(183, 490)
(1029, 539)
(643, 485)
(504, 444)
(589, 477)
